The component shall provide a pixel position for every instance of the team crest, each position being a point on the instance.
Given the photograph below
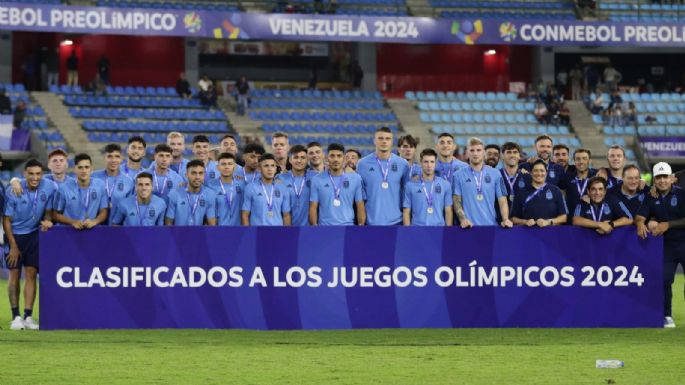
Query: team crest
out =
(674, 201)
(309, 184)
(238, 190)
(549, 195)
(120, 186)
(43, 197)
(202, 202)
(522, 184)
(488, 179)
(606, 210)
(641, 197)
(394, 167)
(277, 193)
(552, 174)
(438, 189)
(346, 184)
(169, 184)
(94, 195)
(151, 213)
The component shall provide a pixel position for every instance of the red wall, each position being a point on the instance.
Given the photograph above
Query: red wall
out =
(134, 60)
(450, 67)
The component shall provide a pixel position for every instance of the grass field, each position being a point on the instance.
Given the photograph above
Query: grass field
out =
(445, 356)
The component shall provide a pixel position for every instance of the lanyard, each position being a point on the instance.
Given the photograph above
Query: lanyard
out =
(534, 194)
(597, 217)
(108, 190)
(34, 201)
(140, 217)
(228, 197)
(163, 188)
(193, 206)
(337, 189)
(581, 189)
(478, 179)
(85, 202)
(429, 197)
(269, 197)
(384, 172)
(446, 172)
(511, 181)
(298, 194)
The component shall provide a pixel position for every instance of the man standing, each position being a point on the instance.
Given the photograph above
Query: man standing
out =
(665, 215)
(280, 148)
(515, 179)
(194, 205)
(427, 201)
(406, 147)
(447, 165)
(176, 141)
(136, 153)
(630, 191)
(315, 158)
(352, 157)
(251, 155)
(543, 147)
(229, 191)
(118, 185)
(72, 69)
(142, 208)
(229, 144)
(81, 203)
(336, 194)
(23, 215)
(476, 189)
(383, 175)
(163, 179)
(539, 204)
(576, 185)
(560, 153)
(266, 203)
(298, 184)
(601, 214)
(201, 152)
(492, 155)
(616, 157)
(57, 164)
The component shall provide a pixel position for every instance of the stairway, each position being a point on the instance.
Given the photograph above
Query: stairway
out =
(75, 137)
(590, 135)
(409, 120)
(243, 125)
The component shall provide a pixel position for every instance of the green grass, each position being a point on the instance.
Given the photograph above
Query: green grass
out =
(444, 356)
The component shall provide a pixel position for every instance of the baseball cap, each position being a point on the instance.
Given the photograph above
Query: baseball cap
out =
(662, 168)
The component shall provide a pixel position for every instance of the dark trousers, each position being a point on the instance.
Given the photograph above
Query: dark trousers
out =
(674, 254)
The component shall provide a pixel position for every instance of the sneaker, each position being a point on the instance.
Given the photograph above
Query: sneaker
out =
(30, 324)
(17, 324)
(668, 322)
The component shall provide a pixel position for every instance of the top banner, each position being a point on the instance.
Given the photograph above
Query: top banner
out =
(301, 27)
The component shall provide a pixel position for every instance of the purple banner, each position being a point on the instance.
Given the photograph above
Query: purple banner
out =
(300, 27)
(663, 146)
(348, 277)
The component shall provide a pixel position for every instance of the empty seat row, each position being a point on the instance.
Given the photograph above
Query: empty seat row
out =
(645, 97)
(515, 15)
(118, 90)
(461, 95)
(325, 116)
(501, 130)
(51, 136)
(468, 117)
(619, 130)
(477, 106)
(661, 131)
(34, 124)
(90, 125)
(325, 128)
(124, 113)
(131, 101)
(502, 4)
(316, 94)
(324, 104)
(13, 88)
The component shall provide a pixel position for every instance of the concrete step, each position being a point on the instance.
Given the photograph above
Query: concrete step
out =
(409, 121)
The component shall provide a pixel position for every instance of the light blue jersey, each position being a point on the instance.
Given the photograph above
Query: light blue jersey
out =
(229, 200)
(56, 183)
(131, 213)
(466, 182)
(79, 203)
(346, 188)
(191, 209)
(447, 170)
(299, 188)
(427, 201)
(131, 173)
(162, 185)
(266, 203)
(117, 188)
(179, 168)
(415, 171)
(211, 172)
(28, 209)
(382, 182)
(251, 177)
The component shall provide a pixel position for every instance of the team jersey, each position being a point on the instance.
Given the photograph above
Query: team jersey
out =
(415, 171)
(28, 209)
(575, 187)
(546, 202)
(446, 170)
(266, 203)
(132, 213)
(117, 188)
(55, 182)
(632, 202)
(666, 208)
(191, 209)
(488, 184)
(229, 200)
(131, 173)
(251, 177)
(211, 171)
(299, 188)
(162, 185)
(427, 201)
(554, 171)
(179, 168)
(613, 181)
(514, 184)
(79, 203)
(382, 182)
(609, 210)
(346, 188)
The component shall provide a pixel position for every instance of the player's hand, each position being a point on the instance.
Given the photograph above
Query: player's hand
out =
(651, 225)
(533, 159)
(530, 222)
(89, 223)
(16, 187)
(46, 225)
(523, 171)
(13, 257)
(605, 227)
(507, 224)
(654, 193)
(77, 225)
(585, 199)
(674, 179)
(642, 230)
(602, 173)
(642, 184)
(465, 224)
(542, 222)
(661, 228)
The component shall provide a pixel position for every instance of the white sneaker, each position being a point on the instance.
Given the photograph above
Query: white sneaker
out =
(17, 324)
(668, 322)
(30, 324)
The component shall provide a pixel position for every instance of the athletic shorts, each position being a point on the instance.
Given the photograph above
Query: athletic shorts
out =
(28, 247)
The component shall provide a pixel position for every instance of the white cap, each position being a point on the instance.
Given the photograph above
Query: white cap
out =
(661, 168)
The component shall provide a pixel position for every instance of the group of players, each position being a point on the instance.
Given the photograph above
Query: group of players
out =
(305, 185)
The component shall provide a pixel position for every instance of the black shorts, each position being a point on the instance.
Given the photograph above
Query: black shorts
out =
(28, 247)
